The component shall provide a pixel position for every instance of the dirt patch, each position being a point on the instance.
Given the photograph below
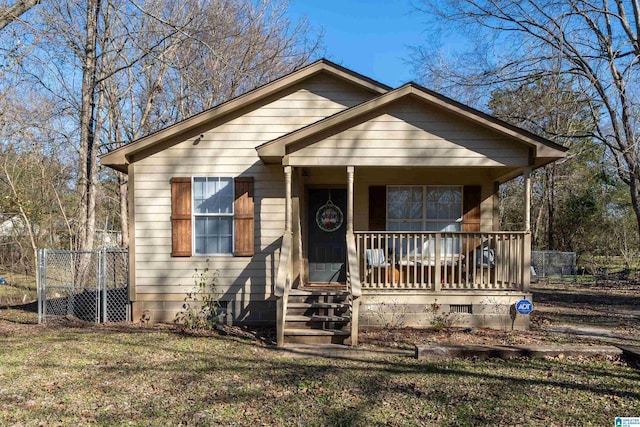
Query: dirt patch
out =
(564, 313)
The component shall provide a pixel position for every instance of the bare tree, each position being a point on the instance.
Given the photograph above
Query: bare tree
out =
(549, 107)
(33, 179)
(118, 70)
(592, 43)
(11, 13)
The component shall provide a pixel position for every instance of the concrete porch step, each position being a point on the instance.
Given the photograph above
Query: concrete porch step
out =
(316, 318)
(318, 292)
(317, 305)
(342, 286)
(315, 332)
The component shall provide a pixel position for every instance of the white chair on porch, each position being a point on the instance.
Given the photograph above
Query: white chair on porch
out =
(377, 266)
(481, 262)
(376, 258)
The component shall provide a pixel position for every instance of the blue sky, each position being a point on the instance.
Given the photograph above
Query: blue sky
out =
(371, 37)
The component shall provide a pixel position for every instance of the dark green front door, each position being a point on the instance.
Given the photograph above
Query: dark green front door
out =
(327, 247)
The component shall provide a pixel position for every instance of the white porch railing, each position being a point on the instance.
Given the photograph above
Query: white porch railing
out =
(444, 260)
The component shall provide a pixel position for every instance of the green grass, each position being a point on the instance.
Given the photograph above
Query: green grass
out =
(19, 289)
(71, 373)
(14, 295)
(18, 279)
(155, 376)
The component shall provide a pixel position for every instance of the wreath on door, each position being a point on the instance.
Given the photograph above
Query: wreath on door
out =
(329, 216)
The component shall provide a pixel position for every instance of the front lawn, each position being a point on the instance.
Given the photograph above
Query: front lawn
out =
(75, 374)
(17, 289)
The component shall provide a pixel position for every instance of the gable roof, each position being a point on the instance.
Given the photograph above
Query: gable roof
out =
(121, 157)
(545, 150)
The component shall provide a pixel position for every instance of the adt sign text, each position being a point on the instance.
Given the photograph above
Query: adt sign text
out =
(524, 306)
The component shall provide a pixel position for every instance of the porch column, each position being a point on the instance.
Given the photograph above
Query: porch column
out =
(352, 262)
(350, 171)
(527, 199)
(288, 209)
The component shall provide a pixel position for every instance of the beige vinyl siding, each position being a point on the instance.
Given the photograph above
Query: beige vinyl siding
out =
(227, 150)
(410, 134)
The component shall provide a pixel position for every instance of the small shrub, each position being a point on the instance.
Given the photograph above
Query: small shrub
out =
(202, 307)
(439, 319)
(392, 318)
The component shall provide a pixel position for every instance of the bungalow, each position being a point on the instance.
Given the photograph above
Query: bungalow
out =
(327, 200)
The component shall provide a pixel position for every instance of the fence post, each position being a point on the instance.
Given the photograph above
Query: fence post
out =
(40, 285)
(102, 268)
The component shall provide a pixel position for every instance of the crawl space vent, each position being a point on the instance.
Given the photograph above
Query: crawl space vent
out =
(460, 308)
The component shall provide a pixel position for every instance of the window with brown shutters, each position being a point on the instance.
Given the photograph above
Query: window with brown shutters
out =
(214, 213)
(181, 217)
(244, 217)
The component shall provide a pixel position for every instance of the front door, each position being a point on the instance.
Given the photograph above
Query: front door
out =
(327, 245)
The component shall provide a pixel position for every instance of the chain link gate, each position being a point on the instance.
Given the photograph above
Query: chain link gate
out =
(90, 285)
(554, 264)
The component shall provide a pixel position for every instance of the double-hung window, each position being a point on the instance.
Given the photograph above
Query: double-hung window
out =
(424, 208)
(213, 215)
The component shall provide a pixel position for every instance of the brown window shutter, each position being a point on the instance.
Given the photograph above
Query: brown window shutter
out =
(181, 217)
(377, 208)
(243, 217)
(471, 198)
(471, 207)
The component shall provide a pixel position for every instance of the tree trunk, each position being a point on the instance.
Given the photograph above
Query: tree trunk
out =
(11, 13)
(88, 154)
(635, 199)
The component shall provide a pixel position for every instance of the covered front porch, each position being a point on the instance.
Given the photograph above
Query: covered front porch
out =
(418, 232)
(401, 278)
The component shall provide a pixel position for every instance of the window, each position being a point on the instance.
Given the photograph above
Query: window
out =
(424, 208)
(213, 215)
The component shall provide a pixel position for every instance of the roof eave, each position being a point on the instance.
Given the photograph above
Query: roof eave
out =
(118, 158)
(115, 160)
(550, 149)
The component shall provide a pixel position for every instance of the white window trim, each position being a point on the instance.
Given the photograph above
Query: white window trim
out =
(194, 215)
(423, 221)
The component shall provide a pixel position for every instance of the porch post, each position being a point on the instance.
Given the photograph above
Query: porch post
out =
(352, 256)
(288, 210)
(526, 250)
(527, 199)
(350, 170)
(284, 268)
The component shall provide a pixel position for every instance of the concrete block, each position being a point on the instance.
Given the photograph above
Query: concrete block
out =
(483, 352)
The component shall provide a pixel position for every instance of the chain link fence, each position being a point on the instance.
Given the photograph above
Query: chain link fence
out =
(89, 285)
(554, 264)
